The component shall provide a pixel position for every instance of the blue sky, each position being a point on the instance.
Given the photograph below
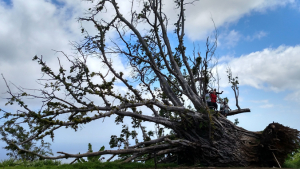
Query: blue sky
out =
(258, 39)
(280, 23)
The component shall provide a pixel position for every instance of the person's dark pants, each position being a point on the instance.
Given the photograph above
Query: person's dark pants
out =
(214, 104)
(209, 104)
(222, 111)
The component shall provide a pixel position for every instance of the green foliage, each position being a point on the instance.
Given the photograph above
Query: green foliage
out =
(233, 80)
(6, 163)
(226, 99)
(91, 158)
(293, 161)
(116, 141)
(24, 163)
(47, 164)
(236, 121)
(20, 135)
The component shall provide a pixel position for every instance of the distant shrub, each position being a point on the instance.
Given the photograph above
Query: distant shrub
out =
(37, 163)
(293, 161)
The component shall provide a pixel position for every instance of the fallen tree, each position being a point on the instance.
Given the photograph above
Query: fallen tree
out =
(167, 79)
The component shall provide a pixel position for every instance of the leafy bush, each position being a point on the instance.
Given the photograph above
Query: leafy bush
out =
(93, 158)
(37, 163)
(293, 161)
(20, 135)
(6, 163)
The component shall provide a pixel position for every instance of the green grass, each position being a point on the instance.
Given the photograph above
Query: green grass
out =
(292, 163)
(49, 164)
(10, 163)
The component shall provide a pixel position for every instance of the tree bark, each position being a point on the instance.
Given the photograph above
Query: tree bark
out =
(234, 146)
(238, 111)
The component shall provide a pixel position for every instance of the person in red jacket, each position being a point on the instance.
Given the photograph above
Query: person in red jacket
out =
(213, 97)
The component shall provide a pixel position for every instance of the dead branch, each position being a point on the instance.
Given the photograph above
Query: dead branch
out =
(238, 111)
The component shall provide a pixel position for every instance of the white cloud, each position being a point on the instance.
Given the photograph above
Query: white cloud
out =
(257, 35)
(225, 59)
(229, 40)
(263, 103)
(266, 106)
(30, 28)
(294, 96)
(199, 23)
(199, 16)
(35, 28)
(260, 101)
(273, 69)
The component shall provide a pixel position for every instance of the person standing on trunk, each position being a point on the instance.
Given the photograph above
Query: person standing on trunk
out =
(208, 99)
(226, 108)
(213, 97)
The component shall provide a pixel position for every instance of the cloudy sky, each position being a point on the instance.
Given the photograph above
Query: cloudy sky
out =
(258, 39)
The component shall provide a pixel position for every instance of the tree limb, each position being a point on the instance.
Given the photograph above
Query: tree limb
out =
(238, 111)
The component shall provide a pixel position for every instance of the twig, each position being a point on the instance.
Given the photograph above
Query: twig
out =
(276, 160)
(111, 158)
(74, 161)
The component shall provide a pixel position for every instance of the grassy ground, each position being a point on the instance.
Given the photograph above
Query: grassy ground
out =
(48, 164)
(292, 163)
